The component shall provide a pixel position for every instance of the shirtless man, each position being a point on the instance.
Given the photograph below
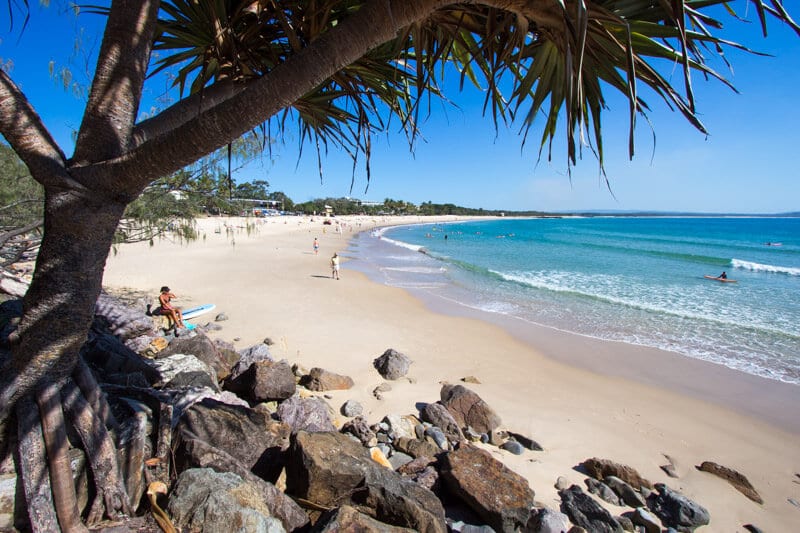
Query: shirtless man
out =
(166, 308)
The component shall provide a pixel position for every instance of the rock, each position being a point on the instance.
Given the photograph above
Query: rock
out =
(122, 321)
(203, 348)
(247, 435)
(468, 409)
(526, 442)
(8, 489)
(319, 379)
(359, 428)
(221, 317)
(204, 500)
(547, 521)
(399, 459)
(752, 529)
(392, 364)
(584, 512)
(378, 455)
(500, 496)
(669, 468)
(246, 357)
(626, 493)
(512, 446)
(351, 408)
(347, 519)
(332, 469)
(108, 356)
(183, 399)
(416, 447)
(642, 517)
(471, 379)
(400, 426)
(676, 510)
(562, 483)
(739, 481)
(438, 415)
(602, 491)
(600, 468)
(184, 370)
(264, 381)
(306, 414)
(437, 436)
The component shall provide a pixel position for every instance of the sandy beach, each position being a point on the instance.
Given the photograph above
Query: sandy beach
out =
(577, 397)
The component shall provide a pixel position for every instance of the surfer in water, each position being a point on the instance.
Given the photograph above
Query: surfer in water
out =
(173, 313)
(723, 275)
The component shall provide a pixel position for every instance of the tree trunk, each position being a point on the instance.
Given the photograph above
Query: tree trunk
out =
(59, 305)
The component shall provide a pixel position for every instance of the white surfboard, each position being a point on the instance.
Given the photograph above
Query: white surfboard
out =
(193, 312)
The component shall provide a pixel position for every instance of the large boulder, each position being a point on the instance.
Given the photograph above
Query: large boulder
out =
(469, 409)
(392, 364)
(306, 414)
(583, 511)
(185, 370)
(497, 494)
(202, 347)
(247, 435)
(264, 381)
(676, 510)
(204, 500)
(332, 469)
(254, 354)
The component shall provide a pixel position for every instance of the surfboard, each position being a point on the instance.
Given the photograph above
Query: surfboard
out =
(717, 278)
(193, 312)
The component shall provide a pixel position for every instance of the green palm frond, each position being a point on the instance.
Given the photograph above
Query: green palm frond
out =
(534, 66)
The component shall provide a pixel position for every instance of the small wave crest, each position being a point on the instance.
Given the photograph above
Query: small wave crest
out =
(758, 267)
(412, 247)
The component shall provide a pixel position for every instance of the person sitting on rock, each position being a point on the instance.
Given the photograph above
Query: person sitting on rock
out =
(166, 309)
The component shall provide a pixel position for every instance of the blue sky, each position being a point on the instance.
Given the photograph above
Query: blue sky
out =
(746, 165)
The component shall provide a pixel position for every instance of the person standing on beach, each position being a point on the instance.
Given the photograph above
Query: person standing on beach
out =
(316, 246)
(335, 266)
(173, 313)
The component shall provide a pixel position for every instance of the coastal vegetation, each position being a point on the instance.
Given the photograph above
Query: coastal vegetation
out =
(344, 70)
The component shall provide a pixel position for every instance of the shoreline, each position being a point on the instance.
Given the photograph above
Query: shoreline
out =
(271, 284)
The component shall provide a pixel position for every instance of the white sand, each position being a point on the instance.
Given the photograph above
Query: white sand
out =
(577, 397)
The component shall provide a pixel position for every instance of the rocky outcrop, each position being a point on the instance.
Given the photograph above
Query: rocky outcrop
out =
(305, 414)
(392, 364)
(204, 349)
(498, 495)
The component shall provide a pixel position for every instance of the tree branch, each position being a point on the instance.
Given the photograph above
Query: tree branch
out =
(5, 237)
(25, 132)
(117, 85)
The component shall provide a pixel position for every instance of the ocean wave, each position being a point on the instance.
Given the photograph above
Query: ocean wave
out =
(418, 270)
(758, 267)
(406, 245)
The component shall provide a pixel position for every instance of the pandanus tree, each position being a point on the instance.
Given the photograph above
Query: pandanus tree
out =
(340, 70)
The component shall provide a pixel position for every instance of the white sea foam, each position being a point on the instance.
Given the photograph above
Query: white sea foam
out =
(412, 247)
(758, 267)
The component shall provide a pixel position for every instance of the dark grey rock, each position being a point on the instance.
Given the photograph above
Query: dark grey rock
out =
(526, 442)
(625, 492)
(513, 446)
(221, 317)
(331, 469)
(584, 512)
(398, 459)
(247, 435)
(254, 354)
(676, 510)
(438, 437)
(264, 381)
(392, 364)
(642, 517)
(498, 495)
(184, 370)
(203, 348)
(602, 491)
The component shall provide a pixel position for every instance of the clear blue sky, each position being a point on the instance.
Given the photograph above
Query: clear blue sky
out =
(746, 165)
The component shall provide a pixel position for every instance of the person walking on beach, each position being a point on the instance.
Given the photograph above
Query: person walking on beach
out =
(166, 309)
(316, 246)
(335, 266)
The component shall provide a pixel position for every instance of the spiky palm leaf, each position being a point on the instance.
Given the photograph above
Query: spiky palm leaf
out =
(535, 58)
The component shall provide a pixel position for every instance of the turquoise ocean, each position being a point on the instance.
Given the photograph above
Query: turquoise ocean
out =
(637, 280)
